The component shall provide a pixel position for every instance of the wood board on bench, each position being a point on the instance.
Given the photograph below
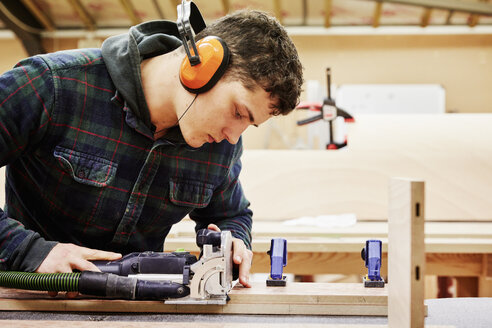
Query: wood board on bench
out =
(178, 324)
(371, 229)
(295, 298)
(451, 152)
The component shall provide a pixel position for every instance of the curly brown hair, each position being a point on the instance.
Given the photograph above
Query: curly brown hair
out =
(261, 54)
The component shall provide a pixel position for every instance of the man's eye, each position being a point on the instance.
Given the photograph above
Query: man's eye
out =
(238, 115)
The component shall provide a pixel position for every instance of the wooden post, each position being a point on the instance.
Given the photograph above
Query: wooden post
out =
(406, 254)
(485, 280)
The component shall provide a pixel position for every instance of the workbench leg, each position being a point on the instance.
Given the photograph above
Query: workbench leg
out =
(485, 281)
(466, 286)
(431, 287)
(406, 254)
(484, 287)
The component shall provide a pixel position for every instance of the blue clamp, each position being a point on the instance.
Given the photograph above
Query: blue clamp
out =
(278, 259)
(372, 255)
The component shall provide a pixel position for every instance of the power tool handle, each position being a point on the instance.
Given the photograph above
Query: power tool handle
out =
(208, 237)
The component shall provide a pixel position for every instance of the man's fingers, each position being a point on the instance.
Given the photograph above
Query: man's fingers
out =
(238, 250)
(212, 226)
(94, 254)
(244, 268)
(84, 265)
(242, 256)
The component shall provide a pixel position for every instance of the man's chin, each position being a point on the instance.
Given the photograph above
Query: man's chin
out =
(195, 143)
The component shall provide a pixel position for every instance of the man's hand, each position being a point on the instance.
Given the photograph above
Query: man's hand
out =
(241, 256)
(67, 257)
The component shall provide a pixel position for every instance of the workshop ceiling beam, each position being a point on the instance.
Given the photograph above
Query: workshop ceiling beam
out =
(479, 8)
(449, 17)
(304, 12)
(130, 11)
(376, 17)
(328, 8)
(24, 24)
(83, 14)
(278, 11)
(227, 6)
(44, 19)
(424, 21)
(474, 18)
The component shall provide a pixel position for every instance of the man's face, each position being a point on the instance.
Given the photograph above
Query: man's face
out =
(224, 112)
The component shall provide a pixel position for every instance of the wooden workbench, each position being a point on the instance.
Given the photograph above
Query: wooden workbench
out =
(452, 153)
(461, 249)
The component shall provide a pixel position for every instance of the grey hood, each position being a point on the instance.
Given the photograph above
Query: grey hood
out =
(123, 54)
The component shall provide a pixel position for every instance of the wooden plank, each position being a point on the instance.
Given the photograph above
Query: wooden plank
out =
(484, 287)
(376, 17)
(226, 5)
(457, 265)
(328, 12)
(130, 11)
(406, 259)
(350, 244)
(457, 5)
(424, 21)
(449, 17)
(83, 14)
(466, 286)
(487, 265)
(225, 323)
(456, 169)
(349, 263)
(278, 11)
(461, 265)
(295, 298)
(372, 229)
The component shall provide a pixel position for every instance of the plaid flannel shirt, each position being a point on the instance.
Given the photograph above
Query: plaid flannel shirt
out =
(82, 168)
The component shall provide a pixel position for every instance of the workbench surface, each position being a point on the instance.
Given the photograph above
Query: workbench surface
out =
(457, 312)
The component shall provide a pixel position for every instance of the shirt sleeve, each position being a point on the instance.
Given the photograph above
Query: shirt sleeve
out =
(26, 100)
(229, 208)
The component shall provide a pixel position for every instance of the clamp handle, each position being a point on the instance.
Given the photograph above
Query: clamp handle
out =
(372, 256)
(278, 257)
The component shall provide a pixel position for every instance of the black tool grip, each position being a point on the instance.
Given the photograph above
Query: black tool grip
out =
(129, 288)
(158, 290)
(107, 284)
(208, 237)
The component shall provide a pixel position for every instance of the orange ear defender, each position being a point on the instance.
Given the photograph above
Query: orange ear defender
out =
(214, 57)
(207, 60)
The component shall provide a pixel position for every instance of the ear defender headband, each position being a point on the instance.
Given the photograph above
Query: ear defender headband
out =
(207, 61)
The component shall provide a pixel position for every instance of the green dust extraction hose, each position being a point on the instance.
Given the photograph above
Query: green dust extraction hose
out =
(94, 283)
(60, 282)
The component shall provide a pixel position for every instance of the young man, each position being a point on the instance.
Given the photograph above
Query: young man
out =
(106, 149)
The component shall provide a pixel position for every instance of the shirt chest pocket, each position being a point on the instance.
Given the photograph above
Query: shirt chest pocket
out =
(190, 193)
(85, 168)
